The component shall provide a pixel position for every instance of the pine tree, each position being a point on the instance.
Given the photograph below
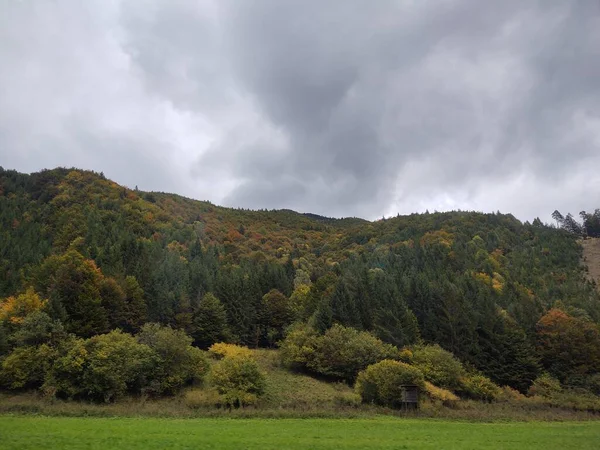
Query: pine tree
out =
(209, 323)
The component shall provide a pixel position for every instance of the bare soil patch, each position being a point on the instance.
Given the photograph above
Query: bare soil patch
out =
(591, 258)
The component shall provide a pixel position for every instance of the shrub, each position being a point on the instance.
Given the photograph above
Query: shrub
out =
(178, 364)
(340, 353)
(298, 347)
(103, 367)
(439, 366)
(545, 386)
(479, 387)
(222, 350)
(26, 367)
(436, 393)
(381, 383)
(65, 376)
(238, 380)
(510, 395)
(202, 398)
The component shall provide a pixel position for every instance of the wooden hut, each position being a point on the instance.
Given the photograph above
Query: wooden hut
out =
(410, 396)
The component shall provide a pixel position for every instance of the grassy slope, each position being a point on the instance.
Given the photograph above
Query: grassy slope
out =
(70, 433)
(288, 389)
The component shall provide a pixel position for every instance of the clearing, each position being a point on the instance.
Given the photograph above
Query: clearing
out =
(29, 432)
(591, 258)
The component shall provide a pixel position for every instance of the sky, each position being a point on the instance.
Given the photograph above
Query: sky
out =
(340, 108)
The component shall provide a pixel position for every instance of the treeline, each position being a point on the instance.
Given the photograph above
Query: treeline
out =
(589, 226)
(88, 256)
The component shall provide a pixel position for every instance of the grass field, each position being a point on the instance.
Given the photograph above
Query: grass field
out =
(32, 432)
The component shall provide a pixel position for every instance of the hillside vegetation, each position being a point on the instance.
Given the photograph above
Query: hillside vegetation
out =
(81, 256)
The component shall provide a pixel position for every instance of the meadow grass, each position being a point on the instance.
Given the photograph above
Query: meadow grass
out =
(34, 432)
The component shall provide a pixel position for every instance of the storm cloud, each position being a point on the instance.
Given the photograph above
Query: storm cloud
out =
(342, 108)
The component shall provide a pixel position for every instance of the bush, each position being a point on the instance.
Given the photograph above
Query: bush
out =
(510, 395)
(437, 393)
(340, 353)
(202, 398)
(65, 376)
(222, 350)
(381, 383)
(178, 364)
(26, 367)
(298, 347)
(103, 367)
(439, 366)
(479, 387)
(545, 386)
(238, 380)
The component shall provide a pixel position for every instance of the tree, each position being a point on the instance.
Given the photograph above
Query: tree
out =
(179, 363)
(506, 355)
(36, 329)
(14, 310)
(114, 303)
(556, 215)
(339, 353)
(72, 285)
(569, 346)
(136, 310)
(210, 322)
(278, 313)
(238, 380)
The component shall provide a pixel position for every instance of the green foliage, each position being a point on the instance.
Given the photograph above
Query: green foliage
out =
(506, 354)
(37, 328)
(382, 383)
(104, 256)
(26, 367)
(103, 367)
(545, 385)
(340, 352)
(178, 362)
(439, 366)
(479, 387)
(238, 380)
(278, 314)
(210, 322)
(72, 284)
(569, 346)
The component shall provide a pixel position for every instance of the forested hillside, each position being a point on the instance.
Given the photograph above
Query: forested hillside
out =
(509, 299)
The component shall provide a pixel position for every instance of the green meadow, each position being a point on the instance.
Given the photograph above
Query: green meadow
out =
(35, 432)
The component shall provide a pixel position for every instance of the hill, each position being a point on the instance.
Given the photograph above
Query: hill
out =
(484, 286)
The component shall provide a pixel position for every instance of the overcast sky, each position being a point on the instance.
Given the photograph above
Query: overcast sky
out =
(341, 108)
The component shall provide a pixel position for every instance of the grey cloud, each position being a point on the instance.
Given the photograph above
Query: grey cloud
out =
(338, 107)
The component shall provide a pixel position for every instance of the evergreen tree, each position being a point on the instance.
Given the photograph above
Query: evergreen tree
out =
(210, 322)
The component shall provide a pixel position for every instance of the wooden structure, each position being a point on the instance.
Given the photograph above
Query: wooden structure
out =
(410, 396)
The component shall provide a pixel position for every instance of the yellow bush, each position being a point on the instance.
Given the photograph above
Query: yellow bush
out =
(510, 395)
(405, 355)
(437, 393)
(221, 350)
